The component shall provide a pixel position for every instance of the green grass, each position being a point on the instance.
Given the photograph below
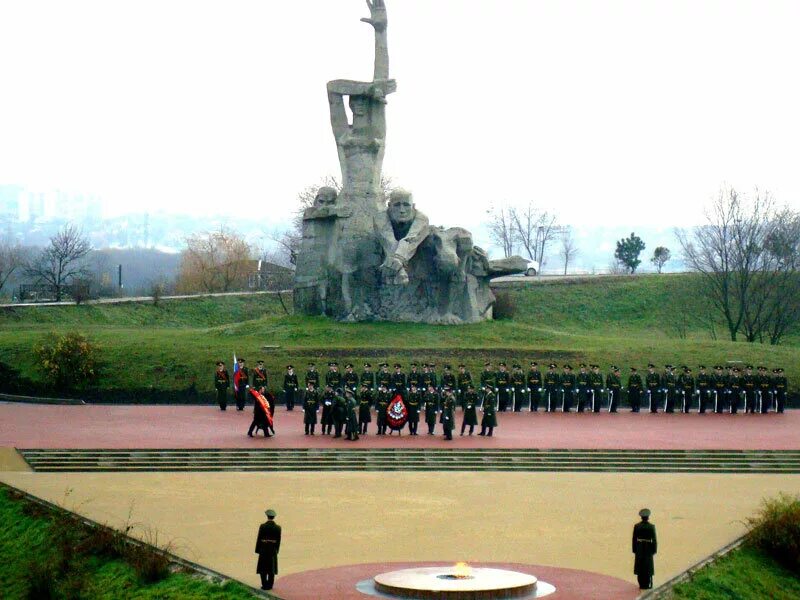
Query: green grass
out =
(744, 574)
(25, 536)
(612, 320)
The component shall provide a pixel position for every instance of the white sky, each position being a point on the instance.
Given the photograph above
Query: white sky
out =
(608, 111)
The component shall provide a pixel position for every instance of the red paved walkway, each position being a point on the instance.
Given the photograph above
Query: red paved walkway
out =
(92, 426)
(340, 583)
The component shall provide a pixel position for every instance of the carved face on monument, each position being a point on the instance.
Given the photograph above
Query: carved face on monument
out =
(360, 107)
(326, 196)
(401, 207)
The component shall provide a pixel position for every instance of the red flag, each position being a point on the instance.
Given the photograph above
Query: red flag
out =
(262, 402)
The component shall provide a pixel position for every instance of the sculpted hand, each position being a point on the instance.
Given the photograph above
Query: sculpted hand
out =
(377, 11)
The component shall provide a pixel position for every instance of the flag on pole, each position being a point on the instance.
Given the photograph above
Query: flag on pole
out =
(236, 374)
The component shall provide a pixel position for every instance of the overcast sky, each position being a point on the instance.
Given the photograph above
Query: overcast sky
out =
(608, 111)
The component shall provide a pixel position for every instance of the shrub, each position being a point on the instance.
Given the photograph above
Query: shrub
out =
(68, 361)
(150, 560)
(775, 529)
(505, 307)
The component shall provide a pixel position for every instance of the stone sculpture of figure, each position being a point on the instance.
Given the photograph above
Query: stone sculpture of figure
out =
(401, 228)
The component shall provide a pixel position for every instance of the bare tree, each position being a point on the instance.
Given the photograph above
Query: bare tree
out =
(569, 247)
(501, 229)
(217, 261)
(11, 259)
(61, 261)
(533, 229)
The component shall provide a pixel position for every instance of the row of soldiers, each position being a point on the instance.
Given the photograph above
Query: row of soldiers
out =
(587, 389)
(352, 409)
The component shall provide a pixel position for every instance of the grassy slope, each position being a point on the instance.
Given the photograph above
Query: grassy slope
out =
(627, 321)
(744, 574)
(23, 537)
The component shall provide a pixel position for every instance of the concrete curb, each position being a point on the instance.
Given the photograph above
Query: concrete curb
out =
(39, 400)
(134, 299)
(195, 568)
(662, 592)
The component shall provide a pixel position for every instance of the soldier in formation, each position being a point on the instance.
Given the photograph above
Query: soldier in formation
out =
(310, 408)
(489, 419)
(289, 387)
(431, 408)
(470, 418)
(222, 382)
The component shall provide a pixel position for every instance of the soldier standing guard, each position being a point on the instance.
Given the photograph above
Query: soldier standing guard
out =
(614, 386)
(644, 546)
(368, 377)
(735, 387)
(350, 378)
(431, 408)
(764, 390)
(222, 382)
(384, 377)
(749, 385)
(381, 406)
(551, 385)
(470, 410)
(398, 381)
(534, 386)
(413, 406)
(351, 420)
(260, 376)
(365, 407)
(414, 377)
(567, 388)
(328, 400)
(582, 383)
(428, 378)
(686, 383)
(703, 389)
(448, 413)
(780, 386)
(670, 385)
(333, 377)
(635, 390)
(489, 420)
(502, 384)
(596, 382)
(487, 379)
(242, 384)
(653, 383)
(518, 384)
(719, 383)
(310, 408)
(312, 376)
(448, 379)
(289, 387)
(339, 412)
(463, 380)
(268, 544)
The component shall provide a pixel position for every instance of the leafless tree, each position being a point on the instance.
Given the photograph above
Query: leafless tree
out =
(533, 229)
(569, 247)
(61, 261)
(781, 281)
(11, 259)
(501, 229)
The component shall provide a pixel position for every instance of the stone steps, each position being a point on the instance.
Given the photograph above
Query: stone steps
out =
(334, 459)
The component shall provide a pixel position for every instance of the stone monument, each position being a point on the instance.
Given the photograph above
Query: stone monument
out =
(366, 257)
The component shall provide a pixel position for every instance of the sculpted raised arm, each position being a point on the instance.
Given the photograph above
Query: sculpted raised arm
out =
(339, 122)
(378, 20)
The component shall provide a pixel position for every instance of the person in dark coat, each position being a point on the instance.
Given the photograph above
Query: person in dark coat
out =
(470, 409)
(222, 382)
(364, 407)
(381, 406)
(339, 412)
(328, 400)
(431, 408)
(268, 544)
(310, 408)
(489, 420)
(413, 405)
(352, 427)
(448, 413)
(289, 387)
(259, 415)
(644, 546)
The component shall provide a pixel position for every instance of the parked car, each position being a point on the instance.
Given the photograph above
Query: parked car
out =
(533, 268)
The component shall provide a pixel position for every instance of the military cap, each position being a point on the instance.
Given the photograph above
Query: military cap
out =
(749, 367)
(718, 367)
(431, 365)
(778, 370)
(595, 366)
(384, 364)
(367, 366)
(462, 366)
(259, 362)
(582, 365)
(633, 369)
(501, 364)
(762, 368)
(289, 367)
(651, 366)
(333, 364)
(645, 512)
(534, 364)
(701, 367)
(735, 369)
(311, 365)
(240, 359)
(552, 366)
(614, 368)
(348, 392)
(413, 385)
(447, 367)
(414, 364)
(487, 364)
(516, 366)
(270, 513)
(687, 370)
(568, 368)
(219, 362)
(684, 367)
(339, 391)
(470, 386)
(398, 366)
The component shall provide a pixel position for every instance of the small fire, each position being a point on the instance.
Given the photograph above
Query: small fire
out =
(462, 570)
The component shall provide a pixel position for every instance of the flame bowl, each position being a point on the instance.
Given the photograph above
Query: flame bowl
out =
(445, 583)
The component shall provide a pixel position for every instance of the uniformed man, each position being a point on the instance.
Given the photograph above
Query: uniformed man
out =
(635, 387)
(333, 377)
(368, 377)
(764, 390)
(222, 382)
(448, 413)
(431, 408)
(719, 385)
(259, 415)
(339, 412)
(518, 386)
(644, 546)
(312, 376)
(736, 390)
(781, 389)
(268, 544)
(502, 383)
(487, 378)
(534, 386)
(449, 379)
(614, 387)
(350, 378)
(463, 379)
(243, 384)
(435, 377)
(414, 377)
(551, 387)
(686, 385)
(653, 382)
(364, 407)
(413, 405)
(384, 377)
(704, 389)
(470, 409)
(582, 386)
(382, 401)
(310, 408)
(489, 419)
(568, 382)
(328, 400)
(399, 381)
(351, 416)
(289, 386)
(596, 391)
(259, 376)
(669, 383)
(749, 386)
(429, 377)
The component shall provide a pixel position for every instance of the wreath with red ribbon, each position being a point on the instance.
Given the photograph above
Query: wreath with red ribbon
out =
(396, 413)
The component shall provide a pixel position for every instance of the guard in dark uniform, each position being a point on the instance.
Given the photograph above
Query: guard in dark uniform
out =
(719, 385)
(568, 382)
(268, 544)
(312, 376)
(259, 376)
(364, 408)
(534, 387)
(310, 408)
(398, 381)
(670, 385)
(384, 378)
(764, 391)
(449, 379)
(470, 409)
(489, 419)
(352, 427)
(749, 386)
(382, 401)
(736, 390)
(703, 389)
(552, 384)
(350, 378)
(431, 408)
(368, 377)
(289, 387)
(644, 546)
(259, 417)
(328, 400)
(502, 383)
(339, 412)
(518, 386)
(596, 391)
(686, 385)
(653, 383)
(243, 385)
(487, 379)
(781, 389)
(333, 377)
(222, 382)
(448, 413)
(428, 377)
(635, 387)
(463, 380)
(414, 377)
(413, 405)
(614, 387)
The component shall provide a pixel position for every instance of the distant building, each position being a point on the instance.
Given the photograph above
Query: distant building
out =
(265, 275)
